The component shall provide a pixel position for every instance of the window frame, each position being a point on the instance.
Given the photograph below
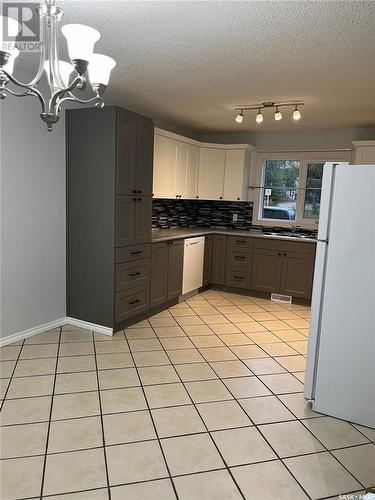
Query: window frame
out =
(304, 158)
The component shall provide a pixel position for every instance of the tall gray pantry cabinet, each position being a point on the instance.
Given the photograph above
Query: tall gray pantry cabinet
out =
(109, 212)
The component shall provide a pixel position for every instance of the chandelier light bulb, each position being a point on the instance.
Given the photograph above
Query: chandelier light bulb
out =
(259, 117)
(278, 115)
(296, 114)
(9, 66)
(100, 68)
(81, 40)
(239, 117)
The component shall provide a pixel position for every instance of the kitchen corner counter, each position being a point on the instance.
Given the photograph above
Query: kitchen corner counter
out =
(159, 235)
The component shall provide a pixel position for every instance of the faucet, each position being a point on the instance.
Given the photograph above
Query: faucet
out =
(294, 229)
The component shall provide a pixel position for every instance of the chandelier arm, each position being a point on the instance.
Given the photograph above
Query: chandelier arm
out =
(42, 55)
(73, 98)
(31, 90)
(54, 56)
(16, 94)
(57, 95)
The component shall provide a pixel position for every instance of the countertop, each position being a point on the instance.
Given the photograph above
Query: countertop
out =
(189, 232)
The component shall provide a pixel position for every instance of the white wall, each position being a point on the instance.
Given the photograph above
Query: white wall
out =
(32, 217)
(298, 139)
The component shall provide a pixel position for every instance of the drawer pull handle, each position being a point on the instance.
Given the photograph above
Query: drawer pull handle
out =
(136, 252)
(135, 274)
(132, 302)
(239, 257)
(238, 277)
(241, 242)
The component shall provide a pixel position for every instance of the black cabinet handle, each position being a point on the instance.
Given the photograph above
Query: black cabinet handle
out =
(139, 191)
(279, 254)
(139, 199)
(134, 199)
(284, 254)
(132, 302)
(237, 198)
(239, 257)
(197, 196)
(221, 197)
(238, 277)
(135, 274)
(136, 252)
(134, 191)
(241, 242)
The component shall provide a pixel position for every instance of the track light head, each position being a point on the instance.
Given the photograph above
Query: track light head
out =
(278, 115)
(259, 117)
(239, 117)
(296, 114)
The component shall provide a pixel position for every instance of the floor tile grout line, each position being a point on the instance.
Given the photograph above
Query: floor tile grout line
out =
(11, 376)
(49, 420)
(154, 426)
(102, 422)
(205, 426)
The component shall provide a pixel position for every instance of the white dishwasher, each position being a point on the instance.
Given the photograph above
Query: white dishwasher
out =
(193, 264)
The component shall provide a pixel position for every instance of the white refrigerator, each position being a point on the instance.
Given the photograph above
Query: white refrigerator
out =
(340, 372)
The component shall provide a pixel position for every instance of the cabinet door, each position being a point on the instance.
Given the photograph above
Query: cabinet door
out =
(143, 219)
(125, 220)
(234, 174)
(164, 175)
(159, 274)
(219, 246)
(144, 157)
(266, 270)
(192, 171)
(297, 274)
(211, 173)
(175, 268)
(126, 153)
(364, 155)
(181, 168)
(207, 260)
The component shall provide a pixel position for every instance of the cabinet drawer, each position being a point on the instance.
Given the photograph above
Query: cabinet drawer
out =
(132, 274)
(239, 256)
(135, 252)
(240, 242)
(285, 246)
(239, 277)
(131, 302)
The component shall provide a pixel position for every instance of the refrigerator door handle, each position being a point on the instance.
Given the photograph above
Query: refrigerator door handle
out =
(323, 241)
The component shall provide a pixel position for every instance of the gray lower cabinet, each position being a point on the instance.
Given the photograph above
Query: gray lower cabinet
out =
(166, 271)
(297, 273)
(175, 268)
(266, 270)
(218, 259)
(131, 303)
(207, 262)
(159, 274)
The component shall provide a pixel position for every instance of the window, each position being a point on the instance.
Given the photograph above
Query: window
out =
(287, 187)
(280, 189)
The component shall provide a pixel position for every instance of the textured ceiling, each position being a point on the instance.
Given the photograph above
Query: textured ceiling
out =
(191, 62)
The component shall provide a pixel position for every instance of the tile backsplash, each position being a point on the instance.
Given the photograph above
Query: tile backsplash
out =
(190, 213)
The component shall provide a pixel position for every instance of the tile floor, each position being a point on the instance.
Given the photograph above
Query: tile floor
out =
(203, 401)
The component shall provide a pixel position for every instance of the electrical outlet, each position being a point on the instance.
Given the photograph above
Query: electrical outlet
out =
(235, 217)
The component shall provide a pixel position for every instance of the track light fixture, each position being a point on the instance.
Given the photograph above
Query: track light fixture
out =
(274, 105)
(239, 117)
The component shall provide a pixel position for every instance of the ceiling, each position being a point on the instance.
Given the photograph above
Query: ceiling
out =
(192, 62)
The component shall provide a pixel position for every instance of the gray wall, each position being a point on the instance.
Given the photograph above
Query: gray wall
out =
(304, 139)
(32, 217)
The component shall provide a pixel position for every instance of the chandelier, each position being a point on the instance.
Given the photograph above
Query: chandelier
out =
(63, 77)
(267, 105)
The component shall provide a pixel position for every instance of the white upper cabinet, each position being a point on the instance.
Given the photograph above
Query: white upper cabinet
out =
(164, 167)
(364, 153)
(211, 173)
(236, 179)
(187, 169)
(192, 171)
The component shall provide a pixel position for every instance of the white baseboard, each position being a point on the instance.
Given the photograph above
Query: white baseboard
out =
(105, 330)
(15, 337)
